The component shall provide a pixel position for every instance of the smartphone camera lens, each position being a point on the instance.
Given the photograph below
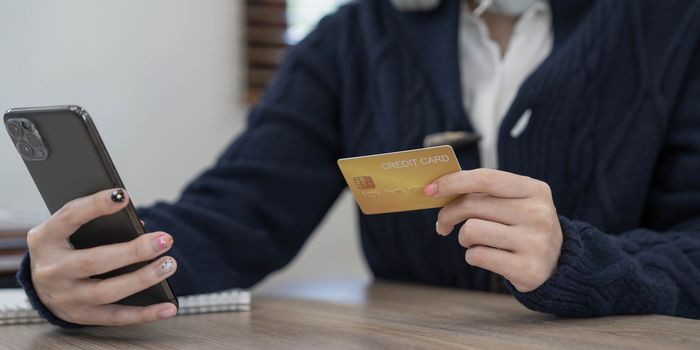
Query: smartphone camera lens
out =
(27, 124)
(14, 129)
(25, 150)
(33, 138)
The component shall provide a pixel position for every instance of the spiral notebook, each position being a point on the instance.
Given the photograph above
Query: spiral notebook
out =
(15, 308)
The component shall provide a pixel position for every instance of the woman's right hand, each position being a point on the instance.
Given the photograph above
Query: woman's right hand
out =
(61, 274)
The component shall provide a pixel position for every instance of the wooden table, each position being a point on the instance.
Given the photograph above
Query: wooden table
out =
(381, 315)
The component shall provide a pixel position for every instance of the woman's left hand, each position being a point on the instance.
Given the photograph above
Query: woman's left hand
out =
(512, 227)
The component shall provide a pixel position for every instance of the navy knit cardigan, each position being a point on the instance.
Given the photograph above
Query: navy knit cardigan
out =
(614, 130)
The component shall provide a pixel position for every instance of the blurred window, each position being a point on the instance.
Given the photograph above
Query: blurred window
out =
(302, 16)
(273, 25)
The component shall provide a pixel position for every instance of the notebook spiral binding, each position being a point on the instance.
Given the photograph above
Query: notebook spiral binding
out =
(232, 300)
(10, 316)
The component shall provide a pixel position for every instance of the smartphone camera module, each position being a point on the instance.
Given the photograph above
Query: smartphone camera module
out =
(27, 139)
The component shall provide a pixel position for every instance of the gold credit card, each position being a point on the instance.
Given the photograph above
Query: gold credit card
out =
(393, 182)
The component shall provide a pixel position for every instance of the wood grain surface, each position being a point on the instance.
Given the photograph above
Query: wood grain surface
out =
(377, 316)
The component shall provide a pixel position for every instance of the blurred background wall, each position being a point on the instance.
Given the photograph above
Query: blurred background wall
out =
(164, 81)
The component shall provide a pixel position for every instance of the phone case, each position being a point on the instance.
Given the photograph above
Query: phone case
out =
(76, 165)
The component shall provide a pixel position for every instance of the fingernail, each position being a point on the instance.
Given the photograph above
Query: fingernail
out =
(168, 312)
(118, 196)
(166, 266)
(161, 242)
(430, 190)
(437, 229)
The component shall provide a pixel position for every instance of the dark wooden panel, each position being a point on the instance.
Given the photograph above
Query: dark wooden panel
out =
(266, 15)
(266, 35)
(278, 3)
(254, 94)
(259, 77)
(13, 245)
(13, 233)
(265, 56)
(9, 263)
(266, 25)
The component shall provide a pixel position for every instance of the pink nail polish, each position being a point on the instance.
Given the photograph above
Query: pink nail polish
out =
(161, 242)
(430, 190)
(166, 313)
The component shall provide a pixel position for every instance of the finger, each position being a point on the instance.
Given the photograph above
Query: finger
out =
(95, 261)
(477, 232)
(495, 260)
(507, 211)
(80, 211)
(493, 182)
(113, 289)
(121, 315)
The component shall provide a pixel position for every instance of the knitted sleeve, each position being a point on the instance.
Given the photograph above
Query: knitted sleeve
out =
(655, 269)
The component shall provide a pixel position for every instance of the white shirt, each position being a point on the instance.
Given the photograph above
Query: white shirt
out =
(491, 81)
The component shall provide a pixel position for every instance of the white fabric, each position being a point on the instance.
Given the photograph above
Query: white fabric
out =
(506, 7)
(490, 80)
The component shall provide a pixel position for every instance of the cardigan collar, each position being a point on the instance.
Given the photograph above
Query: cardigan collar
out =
(434, 38)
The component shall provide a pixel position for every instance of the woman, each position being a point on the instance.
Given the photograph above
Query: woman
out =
(588, 108)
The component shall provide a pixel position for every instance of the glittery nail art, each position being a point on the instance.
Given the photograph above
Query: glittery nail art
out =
(167, 265)
(118, 196)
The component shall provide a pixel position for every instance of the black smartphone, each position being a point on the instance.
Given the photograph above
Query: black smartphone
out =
(66, 158)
